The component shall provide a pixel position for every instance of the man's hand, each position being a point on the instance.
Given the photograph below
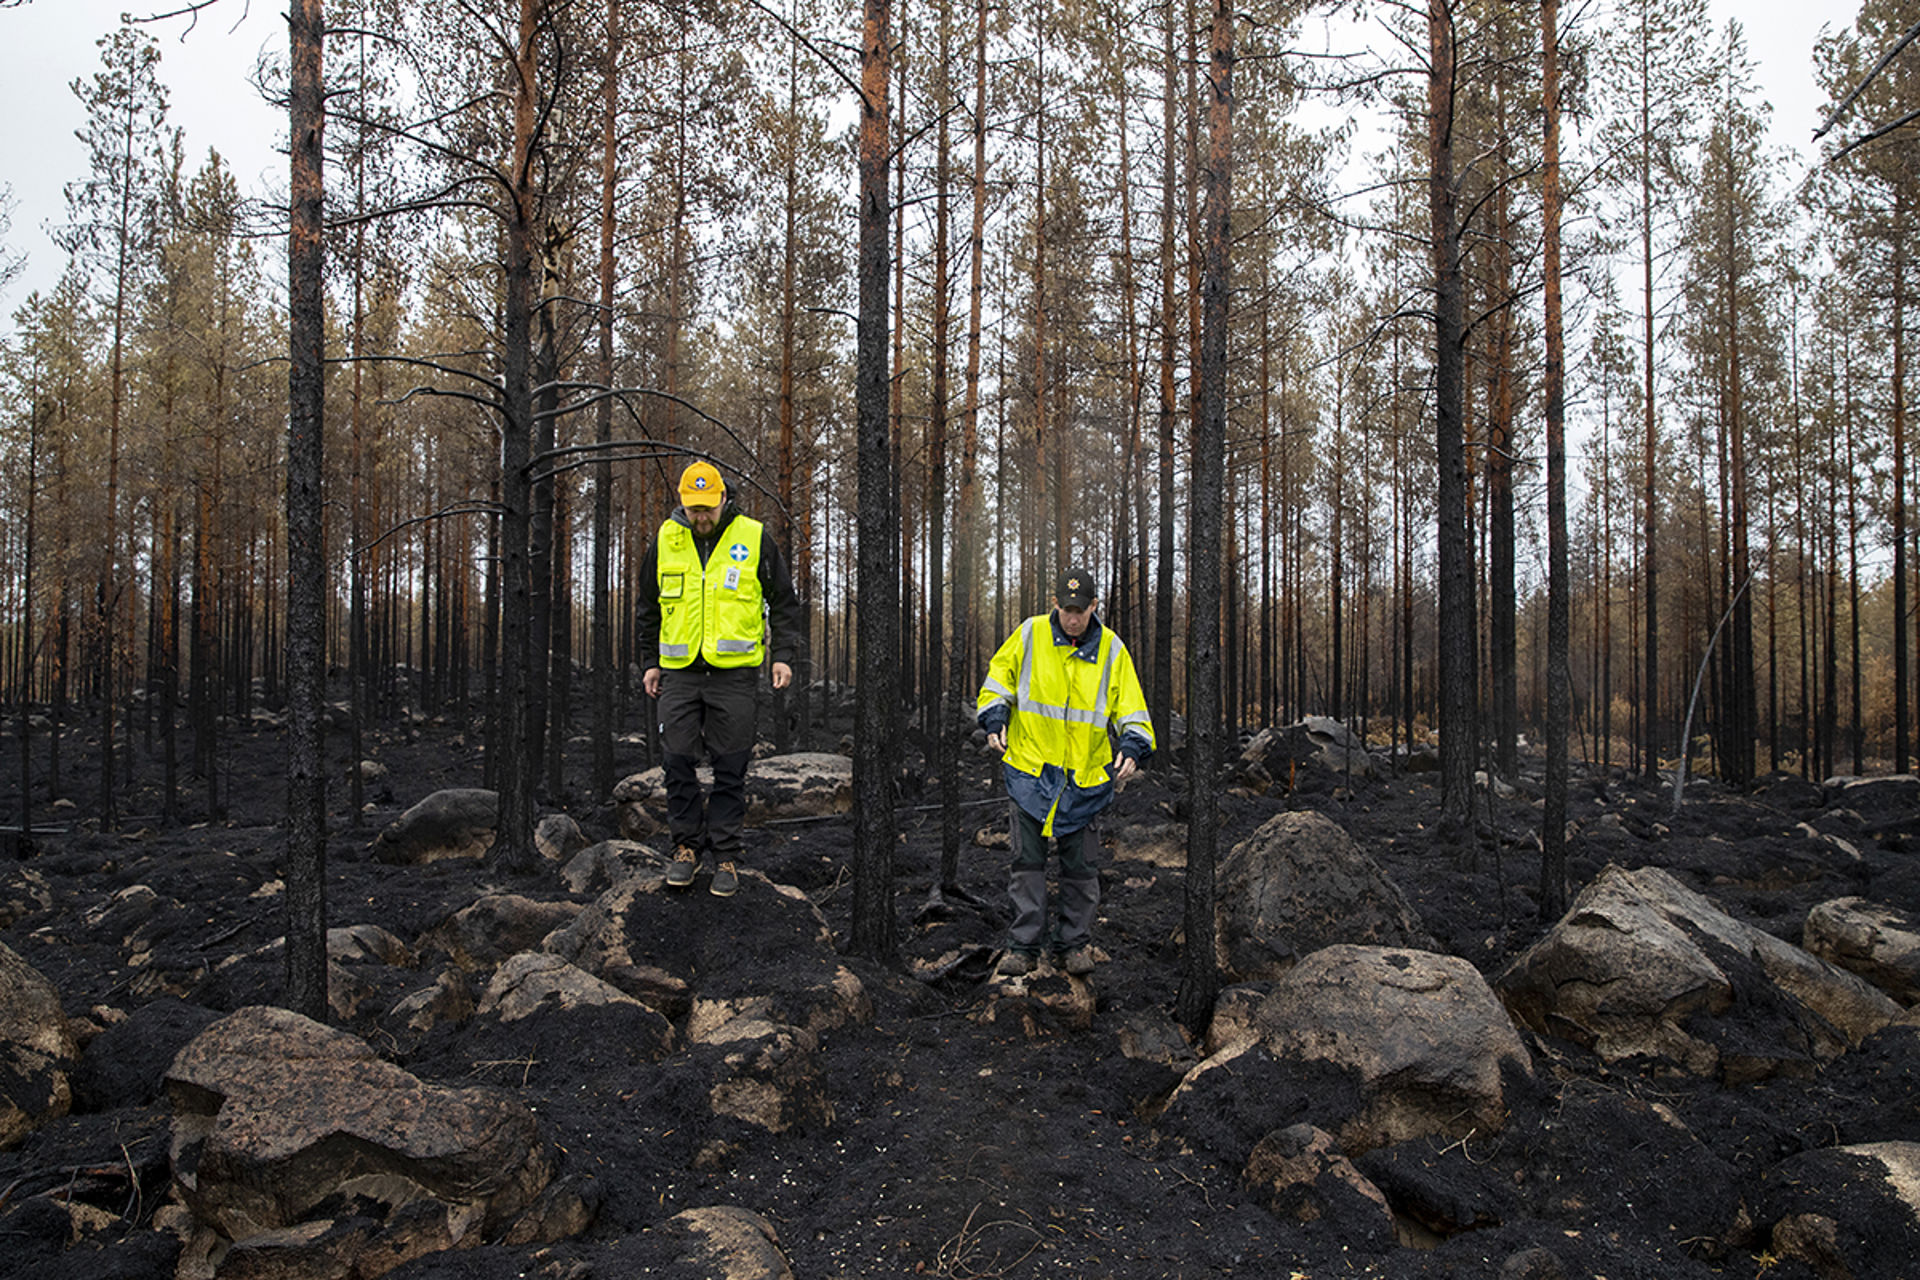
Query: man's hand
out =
(1123, 767)
(651, 682)
(998, 741)
(782, 675)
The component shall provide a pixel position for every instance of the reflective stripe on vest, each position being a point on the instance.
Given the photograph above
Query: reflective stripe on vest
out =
(1097, 715)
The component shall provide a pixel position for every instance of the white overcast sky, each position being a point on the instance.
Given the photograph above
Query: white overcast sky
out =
(207, 71)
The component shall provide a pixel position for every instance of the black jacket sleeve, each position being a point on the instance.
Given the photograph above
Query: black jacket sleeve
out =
(646, 609)
(783, 604)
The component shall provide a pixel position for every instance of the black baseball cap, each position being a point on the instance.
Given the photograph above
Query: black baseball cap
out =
(1074, 588)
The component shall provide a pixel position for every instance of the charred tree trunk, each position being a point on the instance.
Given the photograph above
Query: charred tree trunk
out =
(1458, 729)
(1553, 823)
(513, 849)
(1199, 978)
(875, 702)
(966, 514)
(1902, 688)
(306, 558)
(1169, 328)
(602, 624)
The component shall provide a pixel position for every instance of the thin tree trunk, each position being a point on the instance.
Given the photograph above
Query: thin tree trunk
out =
(602, 642)
(945, 714)
(1502, 637)
(1169, 328)
(875, 701)
(1650, 440)
(1459, 733)
(306, 555)
(1199, 976)
(1054, 552)
(1553, 822)
(513, 848)
(1901, 687)
(966, 513)
(786, 522)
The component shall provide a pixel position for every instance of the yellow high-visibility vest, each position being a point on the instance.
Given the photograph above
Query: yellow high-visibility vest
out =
(715, 612)
(1063, 707)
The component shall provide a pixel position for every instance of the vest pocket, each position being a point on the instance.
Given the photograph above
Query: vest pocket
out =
(672, 585)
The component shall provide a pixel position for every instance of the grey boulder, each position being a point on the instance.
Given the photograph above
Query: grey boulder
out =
(1298, 884)
(460, 822)
(1642, 966)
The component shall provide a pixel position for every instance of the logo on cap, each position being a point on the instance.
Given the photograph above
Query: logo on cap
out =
(699, 482)
(1073, 584)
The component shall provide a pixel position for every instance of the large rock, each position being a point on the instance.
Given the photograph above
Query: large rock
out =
(732, 1243)
(1850, 1213)
(457, 823)
(534, 982)
(1047, 1002)
(1878, 943)
(1893, 796)
(282, 1125)
(126, 1064)
(755, 977)
(366, 944)
(447, 1003)
(599, 867)
(1642, 966)
(37, 1050)
(487, 931)
(1298, 1172)
(558, 837)
(768, 947)
(1422, 1033)
(805, 784)
(1274, 756)
(1296, 885)
(766, 1074)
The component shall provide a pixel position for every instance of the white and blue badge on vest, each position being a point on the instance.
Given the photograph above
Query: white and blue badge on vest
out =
(737, 553)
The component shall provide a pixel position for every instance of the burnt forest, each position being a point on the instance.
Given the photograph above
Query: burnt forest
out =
(1485, 428)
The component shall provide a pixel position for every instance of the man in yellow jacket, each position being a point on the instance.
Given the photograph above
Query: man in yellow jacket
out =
(1063, 705)
(709, 588)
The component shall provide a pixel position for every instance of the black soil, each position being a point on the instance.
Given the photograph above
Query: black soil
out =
(957, 1148)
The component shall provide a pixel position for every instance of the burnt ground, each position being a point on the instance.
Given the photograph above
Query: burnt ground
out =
(962, 1149)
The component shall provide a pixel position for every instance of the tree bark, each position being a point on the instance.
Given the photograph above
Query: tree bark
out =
(602, 640)
(875, 704)
(514, 768)
(1458, 729)
(1169, 329)
(1199, 978)
(1553, 823)
(306, 989)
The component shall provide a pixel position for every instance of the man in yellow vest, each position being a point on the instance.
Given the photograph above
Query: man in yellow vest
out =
(709, 587)
(1063, 705)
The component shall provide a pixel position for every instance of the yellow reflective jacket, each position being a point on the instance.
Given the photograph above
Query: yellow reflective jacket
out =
(715, 611)
(1064, 700)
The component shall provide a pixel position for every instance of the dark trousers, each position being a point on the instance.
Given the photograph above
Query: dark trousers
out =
(1076, 897)
(707, 713)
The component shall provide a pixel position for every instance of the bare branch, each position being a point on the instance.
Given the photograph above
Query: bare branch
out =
(806, 42)
(1913, 32)
(1881, 132)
